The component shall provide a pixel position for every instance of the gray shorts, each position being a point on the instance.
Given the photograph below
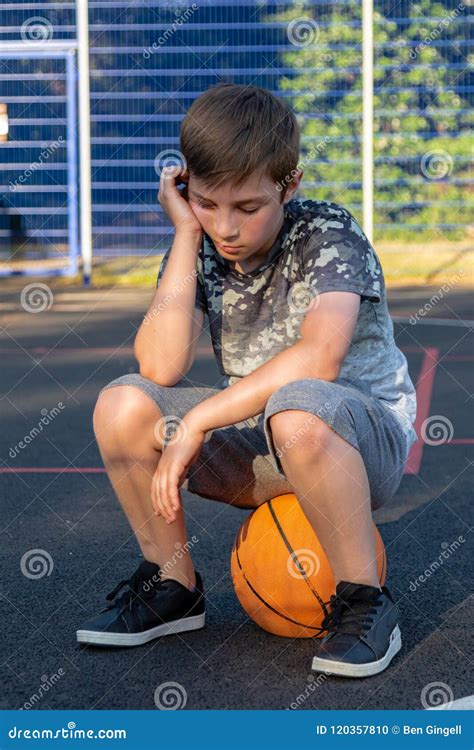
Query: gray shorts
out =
(239, 464)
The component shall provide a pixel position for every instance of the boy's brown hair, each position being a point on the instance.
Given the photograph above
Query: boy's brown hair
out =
(232, 130)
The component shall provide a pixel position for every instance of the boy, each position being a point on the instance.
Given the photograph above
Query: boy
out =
(295, 297)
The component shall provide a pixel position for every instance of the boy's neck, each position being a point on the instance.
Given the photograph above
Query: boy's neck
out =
(238, 266)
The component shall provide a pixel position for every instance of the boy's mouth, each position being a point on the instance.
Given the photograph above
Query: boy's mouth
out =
(229, 249)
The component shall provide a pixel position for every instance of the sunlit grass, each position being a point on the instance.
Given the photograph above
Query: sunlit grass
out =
(406, 264)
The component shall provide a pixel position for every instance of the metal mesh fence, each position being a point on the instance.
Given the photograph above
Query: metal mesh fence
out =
(150, 60)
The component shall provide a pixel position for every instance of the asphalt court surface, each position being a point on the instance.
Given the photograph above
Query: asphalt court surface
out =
(56, 497)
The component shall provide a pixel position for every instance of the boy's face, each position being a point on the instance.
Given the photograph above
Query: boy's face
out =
(247, 219)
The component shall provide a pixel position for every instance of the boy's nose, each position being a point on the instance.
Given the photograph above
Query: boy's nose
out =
(228, 231)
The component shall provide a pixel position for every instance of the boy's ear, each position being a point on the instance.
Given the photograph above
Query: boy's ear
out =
(298, 177)
(293, 186)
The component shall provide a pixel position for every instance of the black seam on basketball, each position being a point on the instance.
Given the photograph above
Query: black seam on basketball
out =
(269, 606)
(294, 556)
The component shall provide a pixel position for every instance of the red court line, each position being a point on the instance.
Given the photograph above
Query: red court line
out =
(424, 391)
(51, 470)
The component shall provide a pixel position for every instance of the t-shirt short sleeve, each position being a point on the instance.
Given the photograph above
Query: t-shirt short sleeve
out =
(200, 301)
(337, 256)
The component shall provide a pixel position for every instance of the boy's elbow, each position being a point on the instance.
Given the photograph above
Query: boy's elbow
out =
(154, 371)
(160, 378)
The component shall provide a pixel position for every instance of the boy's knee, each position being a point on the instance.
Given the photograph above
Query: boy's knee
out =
(302, 431)
(120, 409)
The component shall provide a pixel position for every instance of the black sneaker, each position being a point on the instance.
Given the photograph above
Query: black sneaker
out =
(363, 632)
(149, 608)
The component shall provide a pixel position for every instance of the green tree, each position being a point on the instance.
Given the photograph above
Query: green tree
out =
(422, 140)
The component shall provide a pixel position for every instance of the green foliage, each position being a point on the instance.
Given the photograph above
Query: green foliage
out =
(422, 117)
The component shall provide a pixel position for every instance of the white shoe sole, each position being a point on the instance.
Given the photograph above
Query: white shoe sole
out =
(100, 638)
(361, 670)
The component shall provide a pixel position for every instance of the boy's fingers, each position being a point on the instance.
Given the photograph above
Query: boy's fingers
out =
(154, 493)
(156, 498)
(168, 177)
(173, 493)
(169, 487)
(166, 510)
(159, 481)
(167, 504)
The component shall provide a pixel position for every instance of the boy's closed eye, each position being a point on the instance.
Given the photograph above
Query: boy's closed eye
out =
(244, 210)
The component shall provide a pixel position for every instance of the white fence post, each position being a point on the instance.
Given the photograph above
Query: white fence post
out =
(367, 119)
(82, 9)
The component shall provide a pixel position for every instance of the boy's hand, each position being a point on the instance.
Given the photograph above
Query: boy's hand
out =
(176, 458)
(174, 202)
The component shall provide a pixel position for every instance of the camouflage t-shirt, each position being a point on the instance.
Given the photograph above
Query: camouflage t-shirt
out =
(253, 316)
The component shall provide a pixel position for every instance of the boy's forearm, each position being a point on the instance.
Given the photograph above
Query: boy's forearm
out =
(249, 396)
(163, 341)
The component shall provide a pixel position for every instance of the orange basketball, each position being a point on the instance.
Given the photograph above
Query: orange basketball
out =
(281, 576)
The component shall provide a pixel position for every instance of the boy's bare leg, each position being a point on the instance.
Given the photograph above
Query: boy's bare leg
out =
(330, 482)
(124, 425)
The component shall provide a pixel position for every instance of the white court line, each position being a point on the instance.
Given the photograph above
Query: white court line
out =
(461, 704)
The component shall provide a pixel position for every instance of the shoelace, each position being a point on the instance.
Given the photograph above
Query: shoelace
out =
(133, 591)
(351, 615)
